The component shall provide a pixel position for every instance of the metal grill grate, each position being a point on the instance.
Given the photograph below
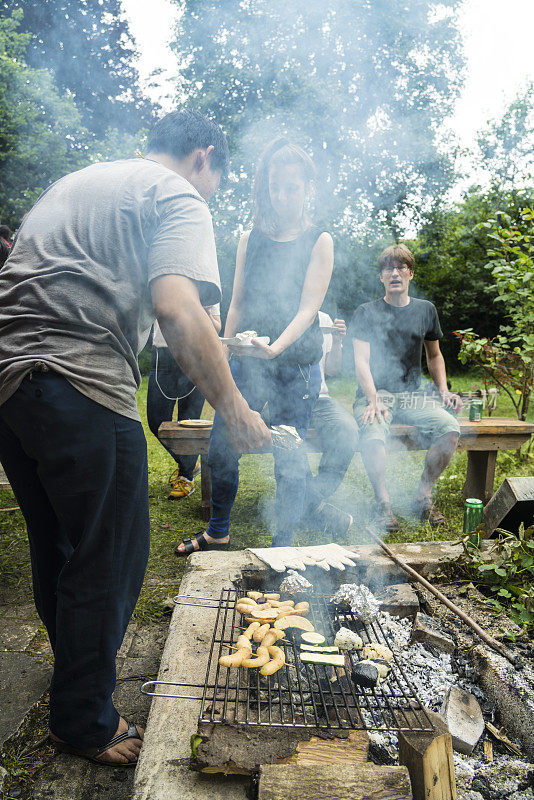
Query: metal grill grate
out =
(304, 695)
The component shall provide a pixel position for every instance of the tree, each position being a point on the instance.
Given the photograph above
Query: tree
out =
(364, 86)
(87, 47)
(41, 135)
(451, 257)
(508, 358)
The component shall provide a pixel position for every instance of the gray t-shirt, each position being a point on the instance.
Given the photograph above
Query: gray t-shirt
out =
(75, 292)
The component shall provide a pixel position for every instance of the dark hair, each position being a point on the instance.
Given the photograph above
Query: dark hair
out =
(181, 132)
(5, 233)
(278, 153)
(396, 254)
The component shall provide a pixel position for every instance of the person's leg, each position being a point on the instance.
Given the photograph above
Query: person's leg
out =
(337, 431)
(190, 407)
(438, 429)
(91, 465)
(289, 406)
(162, 390)
(373, 452)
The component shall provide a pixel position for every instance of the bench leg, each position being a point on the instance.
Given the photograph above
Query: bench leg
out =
(205, 488)
(480, 474)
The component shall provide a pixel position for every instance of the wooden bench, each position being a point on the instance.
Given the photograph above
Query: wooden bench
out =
(482, 440)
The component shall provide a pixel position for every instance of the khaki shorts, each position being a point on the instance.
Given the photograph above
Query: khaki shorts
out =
(425, 413)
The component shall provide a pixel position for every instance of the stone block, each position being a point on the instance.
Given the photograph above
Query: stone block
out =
(463, 715)
(399, 600)
(23, 681)
(429, 631)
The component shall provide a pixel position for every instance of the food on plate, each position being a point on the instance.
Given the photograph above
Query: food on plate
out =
(366, 674)
(312, 637)
(277, 661)
(244, 650)
(294, 621)
(347, 639)
(329, 659)
(375, 651)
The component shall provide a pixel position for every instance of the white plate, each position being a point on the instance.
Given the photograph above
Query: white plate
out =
(234, 342)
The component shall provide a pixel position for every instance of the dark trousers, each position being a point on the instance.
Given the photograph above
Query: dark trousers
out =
(337, 433)
(291, 394)
(166, 383)
(79, 473)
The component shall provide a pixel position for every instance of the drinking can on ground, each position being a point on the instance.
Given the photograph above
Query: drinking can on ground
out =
(473, 518)
(475, 410)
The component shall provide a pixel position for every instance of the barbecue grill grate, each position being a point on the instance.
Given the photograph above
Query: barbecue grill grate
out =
(302, 695)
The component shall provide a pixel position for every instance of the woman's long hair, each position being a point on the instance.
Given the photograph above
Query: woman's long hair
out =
(280, 152)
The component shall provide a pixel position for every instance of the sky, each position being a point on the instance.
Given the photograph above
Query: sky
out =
(497, 37)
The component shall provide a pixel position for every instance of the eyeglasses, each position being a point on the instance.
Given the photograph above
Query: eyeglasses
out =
(399, 267)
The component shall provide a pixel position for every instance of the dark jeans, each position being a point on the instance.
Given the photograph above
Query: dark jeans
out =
(166, 384)
(284, 388)
(337, 432)
(79, 473)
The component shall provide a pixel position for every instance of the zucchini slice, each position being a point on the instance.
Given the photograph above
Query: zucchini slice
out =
(328, 659)
(312, 648)
(312, 637)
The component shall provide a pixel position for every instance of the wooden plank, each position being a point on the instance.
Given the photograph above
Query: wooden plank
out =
(357, 782)
(430, 762)
(353, 749)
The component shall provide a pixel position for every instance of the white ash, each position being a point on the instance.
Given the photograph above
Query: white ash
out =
(294, 583)
(360, 600)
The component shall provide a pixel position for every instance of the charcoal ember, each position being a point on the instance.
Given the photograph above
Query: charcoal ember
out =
(359, 599)
(294, 583)
(365, 674)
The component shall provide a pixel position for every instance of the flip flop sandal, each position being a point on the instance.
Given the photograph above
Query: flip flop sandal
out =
(92, 753)
(203, 544)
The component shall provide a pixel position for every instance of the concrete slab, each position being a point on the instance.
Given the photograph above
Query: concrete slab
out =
(23, 681)
(163, 770)
(463, 715)
(399, 600)
(67, 777)
(16, 636)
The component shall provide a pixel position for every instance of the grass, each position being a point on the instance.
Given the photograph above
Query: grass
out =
(254, 509)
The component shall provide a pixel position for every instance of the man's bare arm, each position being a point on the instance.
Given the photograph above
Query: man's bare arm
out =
(195, 346)
(436, 368)
(375, 406)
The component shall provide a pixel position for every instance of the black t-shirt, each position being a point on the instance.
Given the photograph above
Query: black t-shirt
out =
(396, 336)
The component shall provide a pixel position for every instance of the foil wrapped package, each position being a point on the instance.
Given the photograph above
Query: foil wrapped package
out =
(359, 599)
(285, 437)
(294, 583)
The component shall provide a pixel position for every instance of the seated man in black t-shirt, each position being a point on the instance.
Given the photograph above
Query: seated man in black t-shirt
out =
(388, 337)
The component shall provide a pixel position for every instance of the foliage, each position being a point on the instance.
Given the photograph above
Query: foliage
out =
(508, 358)
(87, 47)
(506, 572)
(40, 131)
(363, 86)
(451, 258)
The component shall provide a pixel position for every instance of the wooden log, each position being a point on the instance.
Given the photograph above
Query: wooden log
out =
(243, 748)
(357, 782)
(429, 760)
(480, 474)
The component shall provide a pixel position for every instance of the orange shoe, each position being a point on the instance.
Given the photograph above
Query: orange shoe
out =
(180, 487)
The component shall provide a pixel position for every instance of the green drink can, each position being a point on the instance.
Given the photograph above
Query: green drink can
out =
(475, 410)
(473, 511)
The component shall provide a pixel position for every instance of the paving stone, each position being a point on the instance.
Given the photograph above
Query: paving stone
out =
(71, 778)
(429, 631)
(399, 600)
(3, 775)
(26, 611)
(23, 681)
(147, 667)
(16, 636)
(463, 715)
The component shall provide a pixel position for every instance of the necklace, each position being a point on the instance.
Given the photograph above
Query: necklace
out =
(306, 395)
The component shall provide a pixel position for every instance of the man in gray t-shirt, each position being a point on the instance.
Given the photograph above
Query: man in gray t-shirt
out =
(103, 251)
